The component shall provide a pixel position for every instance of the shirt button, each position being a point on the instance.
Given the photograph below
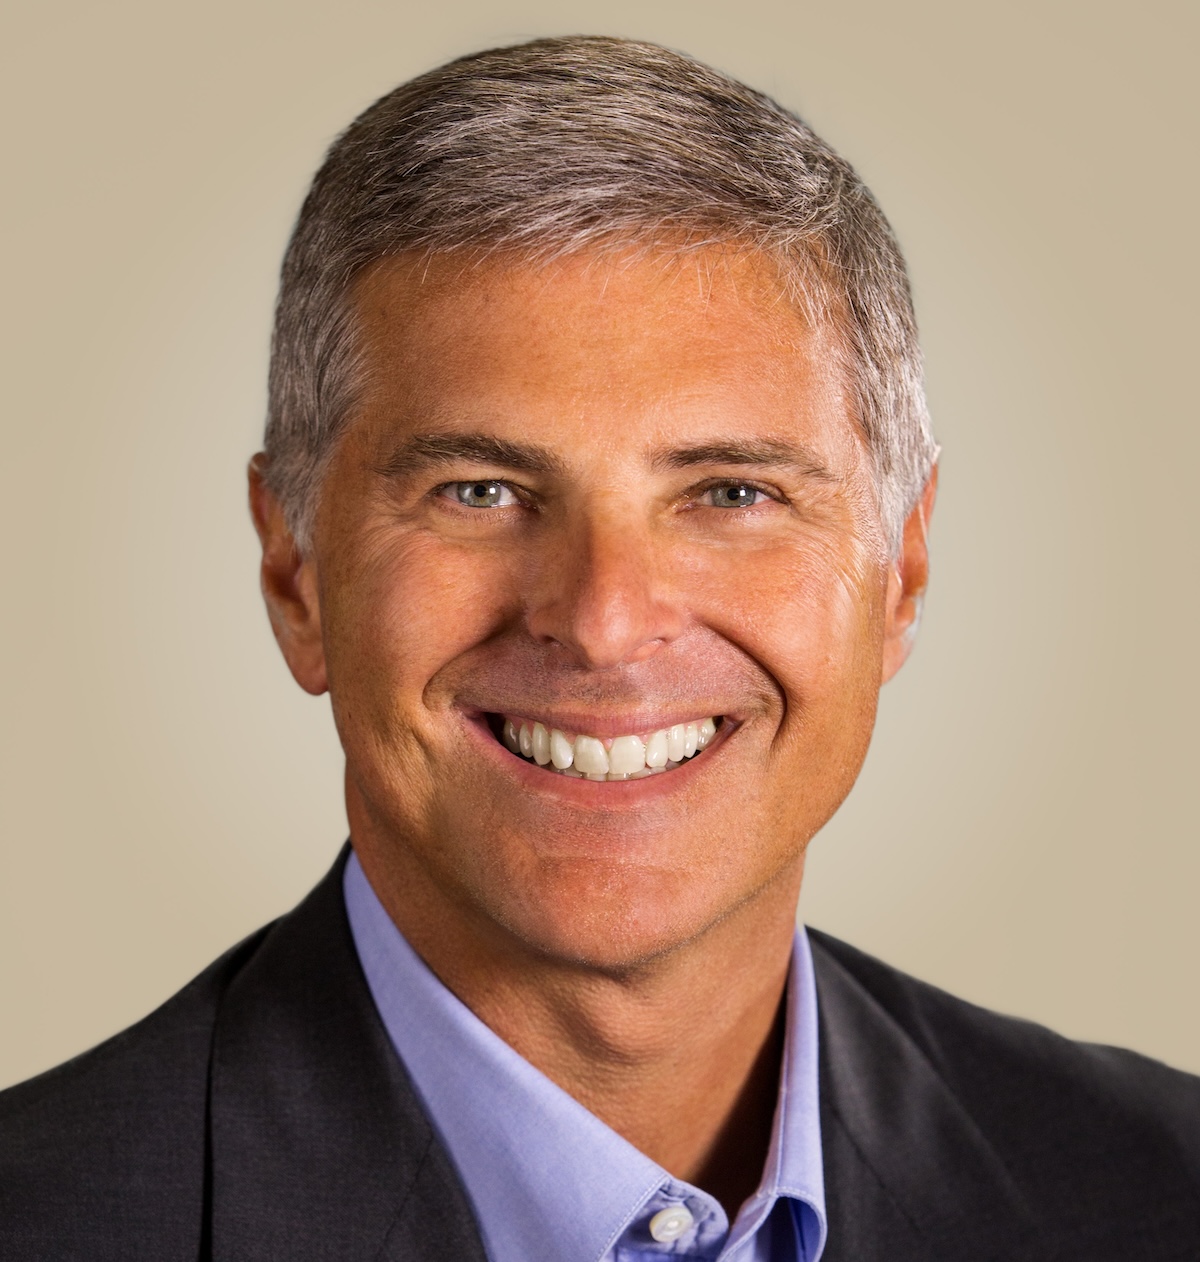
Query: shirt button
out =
(671, 1223)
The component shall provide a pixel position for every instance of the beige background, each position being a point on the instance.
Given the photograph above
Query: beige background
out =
(1025, 831)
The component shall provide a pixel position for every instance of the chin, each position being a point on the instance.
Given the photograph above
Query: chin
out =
(610, 920)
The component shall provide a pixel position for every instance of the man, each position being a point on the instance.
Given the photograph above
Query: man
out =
(595, 492)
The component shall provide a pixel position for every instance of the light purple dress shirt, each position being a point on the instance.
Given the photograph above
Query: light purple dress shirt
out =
(548, 1180)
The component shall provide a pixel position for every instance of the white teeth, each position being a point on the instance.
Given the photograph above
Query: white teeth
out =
(590, 756)
(656, 750)
(561, 753)
(625, 757)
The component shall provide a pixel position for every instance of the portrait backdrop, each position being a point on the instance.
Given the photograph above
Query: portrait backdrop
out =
(1025, 830)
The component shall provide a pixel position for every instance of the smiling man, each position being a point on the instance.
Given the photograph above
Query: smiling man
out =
(595, 493)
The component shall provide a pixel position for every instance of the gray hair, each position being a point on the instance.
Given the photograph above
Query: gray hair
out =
(561, 145)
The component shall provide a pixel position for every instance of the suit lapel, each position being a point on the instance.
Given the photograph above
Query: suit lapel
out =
(319, 1147)
(908, 1175)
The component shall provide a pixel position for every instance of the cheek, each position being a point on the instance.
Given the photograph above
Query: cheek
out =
(398, 612)
(811, 617)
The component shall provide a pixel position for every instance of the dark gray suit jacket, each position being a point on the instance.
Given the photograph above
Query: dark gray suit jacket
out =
(261, 1115)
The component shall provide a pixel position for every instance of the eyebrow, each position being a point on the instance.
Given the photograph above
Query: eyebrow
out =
(777, 453)
(421, 451)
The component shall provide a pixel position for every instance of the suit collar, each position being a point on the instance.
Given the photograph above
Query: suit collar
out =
(319, 1148)
(908, 1174)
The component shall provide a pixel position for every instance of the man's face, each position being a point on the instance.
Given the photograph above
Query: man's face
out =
(609, 496)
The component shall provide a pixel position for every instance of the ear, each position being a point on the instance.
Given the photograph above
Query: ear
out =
(907, 580)
(289, 586)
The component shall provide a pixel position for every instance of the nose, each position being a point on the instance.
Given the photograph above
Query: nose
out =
(603, 593)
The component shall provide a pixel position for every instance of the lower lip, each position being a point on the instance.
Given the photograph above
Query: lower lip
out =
(611, 794)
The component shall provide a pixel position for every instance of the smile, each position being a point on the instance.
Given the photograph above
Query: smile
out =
(631, 757)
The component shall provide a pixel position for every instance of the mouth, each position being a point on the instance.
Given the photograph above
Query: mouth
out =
(577, 755)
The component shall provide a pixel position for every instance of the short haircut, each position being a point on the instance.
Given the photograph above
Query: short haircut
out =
(562, 145)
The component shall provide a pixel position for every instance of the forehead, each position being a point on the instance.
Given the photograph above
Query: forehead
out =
(649, 345)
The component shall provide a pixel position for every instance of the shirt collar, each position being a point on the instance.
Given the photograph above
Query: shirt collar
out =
(546, 1177)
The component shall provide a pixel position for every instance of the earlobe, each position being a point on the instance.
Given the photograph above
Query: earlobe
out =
(907, 581)
(289, 586)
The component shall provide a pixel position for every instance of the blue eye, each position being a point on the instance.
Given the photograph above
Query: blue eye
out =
(733, 495)
(481, 494)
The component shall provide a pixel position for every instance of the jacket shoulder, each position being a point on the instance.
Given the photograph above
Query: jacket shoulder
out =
(103, 1144)
(1099, 1138)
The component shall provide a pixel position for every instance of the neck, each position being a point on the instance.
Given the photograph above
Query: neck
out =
(680, 1055)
